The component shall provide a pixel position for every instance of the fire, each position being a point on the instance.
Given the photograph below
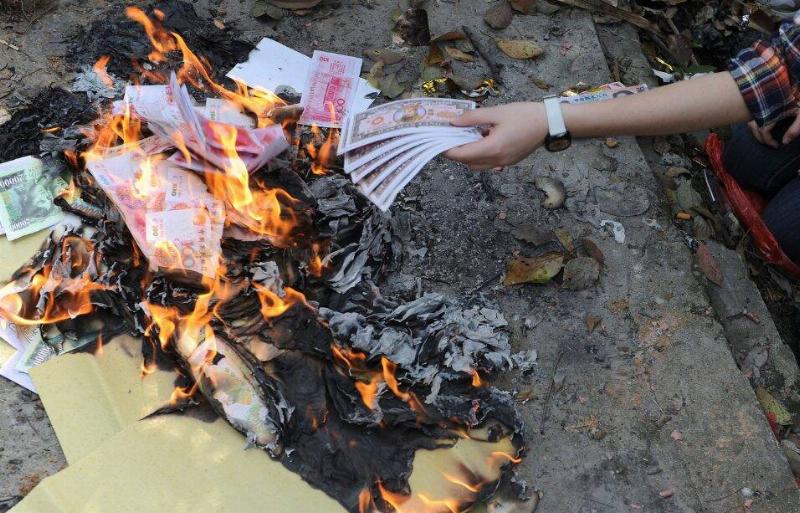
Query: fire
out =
(100, 68)
(74, 291)
(196, 70)
(273, 305)
(476, 379)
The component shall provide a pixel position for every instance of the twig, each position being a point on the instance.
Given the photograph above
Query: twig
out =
(495, 67)
(10, 45)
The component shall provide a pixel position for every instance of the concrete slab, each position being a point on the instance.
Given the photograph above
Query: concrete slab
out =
(603, 408)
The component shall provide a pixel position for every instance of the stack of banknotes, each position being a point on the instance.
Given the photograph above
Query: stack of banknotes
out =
(386, 146)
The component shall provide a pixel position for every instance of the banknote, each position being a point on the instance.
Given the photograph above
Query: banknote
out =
(26, 197)
(384, 195)
(164, 206)
(330, 87)
(186, 239)
(217, 109)
(39, 350)
(403, 117)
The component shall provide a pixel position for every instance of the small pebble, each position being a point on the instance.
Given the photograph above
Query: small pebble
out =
(611, 142)
(677, 435)
(666, 494)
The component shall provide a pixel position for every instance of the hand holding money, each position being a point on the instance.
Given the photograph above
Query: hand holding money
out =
(386, 146)
(515, 130)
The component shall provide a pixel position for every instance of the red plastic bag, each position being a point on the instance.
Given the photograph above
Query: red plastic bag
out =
(748, 205)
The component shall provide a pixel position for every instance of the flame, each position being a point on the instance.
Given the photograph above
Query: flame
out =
(100, 68)
(74, 292)
(196, 70)
(461, 483)
(476, 379)
(272, 305)
(369, 391)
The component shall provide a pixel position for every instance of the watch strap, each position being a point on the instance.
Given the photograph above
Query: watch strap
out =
(555, 118)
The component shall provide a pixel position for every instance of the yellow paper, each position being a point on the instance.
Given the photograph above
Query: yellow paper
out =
(179, 463)
(91, 398)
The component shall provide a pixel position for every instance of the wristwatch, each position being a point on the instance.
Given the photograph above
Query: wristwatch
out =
(558, 137)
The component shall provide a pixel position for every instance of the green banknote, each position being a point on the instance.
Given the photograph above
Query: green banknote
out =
(39, 349)
(26, 197)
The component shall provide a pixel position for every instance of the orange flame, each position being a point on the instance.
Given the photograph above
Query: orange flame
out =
(100, 68)
(476, 379)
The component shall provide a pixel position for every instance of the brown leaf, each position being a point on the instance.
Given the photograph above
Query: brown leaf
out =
(524, 6)
(539, 269)
(388, 57)
(708, 264)
(520, 48)
(581, 273)
(435, 55)
(533, 235)
(295, 4)
(499, 15)
(541, 84)
(592, 322)
(593, 250)
(458, 55)
(565, 239)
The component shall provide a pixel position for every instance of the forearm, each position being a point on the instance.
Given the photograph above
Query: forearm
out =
(689, 105)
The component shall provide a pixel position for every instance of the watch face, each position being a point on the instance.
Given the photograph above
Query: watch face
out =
(558, 143)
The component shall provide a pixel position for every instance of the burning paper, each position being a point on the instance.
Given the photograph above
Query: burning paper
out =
(169, 212)
(272, 66)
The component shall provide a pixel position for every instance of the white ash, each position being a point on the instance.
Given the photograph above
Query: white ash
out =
(268, 275)
(433, 338)
(333, 197)
(89, 82)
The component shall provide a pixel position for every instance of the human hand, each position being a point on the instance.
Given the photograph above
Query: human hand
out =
(764, 135)
(516, 130)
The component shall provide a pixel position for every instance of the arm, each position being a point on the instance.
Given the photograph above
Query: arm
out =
(517, 129)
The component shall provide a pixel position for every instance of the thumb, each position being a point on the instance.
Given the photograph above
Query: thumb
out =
(793, 131)
(487, 116)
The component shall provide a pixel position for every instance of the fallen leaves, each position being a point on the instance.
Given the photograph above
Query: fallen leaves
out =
(773, 409)
(520, 48)
(593, 250)
(581, 273)
(458, 55)
(524, 6)
(499, 15)
(539, 270)
(708, 264)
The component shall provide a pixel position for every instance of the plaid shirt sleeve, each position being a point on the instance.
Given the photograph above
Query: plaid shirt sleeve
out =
(767, 75)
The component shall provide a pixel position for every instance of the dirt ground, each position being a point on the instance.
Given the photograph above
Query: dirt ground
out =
(604, 402)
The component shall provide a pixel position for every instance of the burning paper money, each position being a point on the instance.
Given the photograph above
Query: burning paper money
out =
(386, 146)
(330, 87)
(26, 197)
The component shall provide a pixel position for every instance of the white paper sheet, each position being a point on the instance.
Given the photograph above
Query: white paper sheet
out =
(272, 66)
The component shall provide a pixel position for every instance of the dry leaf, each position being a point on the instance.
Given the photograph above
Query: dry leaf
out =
(593, 250)
(533, 235)
(295, 4)
(708, 264)
(458, 55)
(565, 239)
(524, 6)
(539, 269)
(581, 273)
(388, 57)
(520, 48)
(592, 322)
(499, 15)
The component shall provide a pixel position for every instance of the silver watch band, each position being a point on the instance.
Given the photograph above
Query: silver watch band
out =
(555, 119)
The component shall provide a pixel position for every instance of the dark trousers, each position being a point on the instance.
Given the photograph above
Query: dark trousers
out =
(774, 173)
